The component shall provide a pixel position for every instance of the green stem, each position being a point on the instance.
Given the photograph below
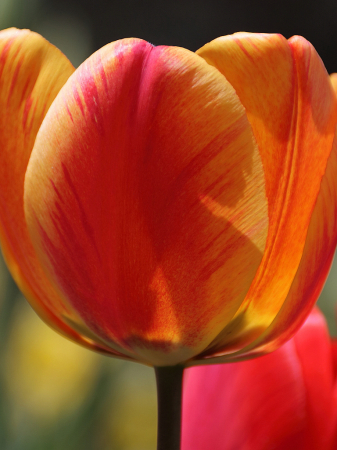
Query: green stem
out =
(169, 390)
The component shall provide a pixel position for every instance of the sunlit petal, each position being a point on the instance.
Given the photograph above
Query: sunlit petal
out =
(291, 106)
(145, 199)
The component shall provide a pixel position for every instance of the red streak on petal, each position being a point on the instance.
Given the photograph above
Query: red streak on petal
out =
(67, 236)
(14, 80)
(4, 54)
(24, 91)
(69, 260)
(103, 77)
(243, 48)
(68, 111)
(79, 101)
(29, 126)
(91, 99)
(86, 225)
(26, 110)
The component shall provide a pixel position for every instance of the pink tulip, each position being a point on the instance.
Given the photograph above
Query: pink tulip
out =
(282, 401)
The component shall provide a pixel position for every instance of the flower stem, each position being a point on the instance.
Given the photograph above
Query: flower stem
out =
(169, 390)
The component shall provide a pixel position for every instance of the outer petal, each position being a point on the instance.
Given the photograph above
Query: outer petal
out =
(145, 198)
(292, 109)
(315, 264)
(32, 71)
(314, 267)
(280, 401)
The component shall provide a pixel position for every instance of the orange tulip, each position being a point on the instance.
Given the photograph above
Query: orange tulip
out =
(165, 206)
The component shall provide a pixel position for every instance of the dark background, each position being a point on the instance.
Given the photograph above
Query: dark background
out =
(191, 23)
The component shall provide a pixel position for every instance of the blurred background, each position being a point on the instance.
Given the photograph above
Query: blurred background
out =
(53, 394)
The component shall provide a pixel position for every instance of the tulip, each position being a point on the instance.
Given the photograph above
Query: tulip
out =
(168, 207)
(286, 400)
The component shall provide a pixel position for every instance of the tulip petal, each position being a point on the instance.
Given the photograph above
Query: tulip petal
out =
(280, 401)
(292, 110)
(145, 199)
(32, 71)
(314, 267)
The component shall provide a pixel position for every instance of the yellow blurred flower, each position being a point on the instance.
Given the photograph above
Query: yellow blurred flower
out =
(45, 374)
(131, 421)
